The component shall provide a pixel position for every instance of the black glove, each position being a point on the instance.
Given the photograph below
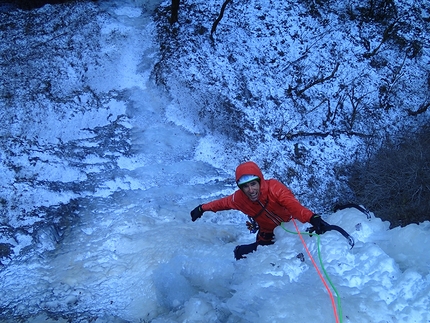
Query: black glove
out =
(318, 224)
(196, 213)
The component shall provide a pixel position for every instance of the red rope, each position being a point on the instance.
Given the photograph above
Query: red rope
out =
(333, 303)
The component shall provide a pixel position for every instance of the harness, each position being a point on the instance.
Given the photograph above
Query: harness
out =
(272, 216)
(267, 236)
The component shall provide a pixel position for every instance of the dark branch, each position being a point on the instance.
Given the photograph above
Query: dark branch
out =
(288, 136)
(423, 108)
(175, 9)
(319, 80)
(221, 14)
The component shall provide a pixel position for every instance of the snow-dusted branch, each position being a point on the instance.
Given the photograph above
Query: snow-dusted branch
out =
(388, 32)
(288, 136)
(319, 80)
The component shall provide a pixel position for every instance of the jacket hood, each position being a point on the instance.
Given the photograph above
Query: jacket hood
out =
(249, 168)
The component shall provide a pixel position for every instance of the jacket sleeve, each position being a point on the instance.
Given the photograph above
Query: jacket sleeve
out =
(222, 204)
(287, 199)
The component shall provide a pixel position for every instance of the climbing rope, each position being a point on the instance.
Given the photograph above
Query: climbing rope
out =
(338, 316)
(278, 221)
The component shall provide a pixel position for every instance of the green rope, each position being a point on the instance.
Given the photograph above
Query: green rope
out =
(323, 269)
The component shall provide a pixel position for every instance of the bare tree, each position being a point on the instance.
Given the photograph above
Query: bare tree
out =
(175, 10)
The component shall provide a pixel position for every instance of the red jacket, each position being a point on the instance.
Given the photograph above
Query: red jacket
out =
(276, 197)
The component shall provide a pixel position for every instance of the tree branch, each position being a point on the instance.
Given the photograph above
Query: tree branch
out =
(221, 14)
(288, 136)
(319, 80)
(423, 108)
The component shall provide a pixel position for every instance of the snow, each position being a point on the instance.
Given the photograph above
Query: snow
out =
(99, 177)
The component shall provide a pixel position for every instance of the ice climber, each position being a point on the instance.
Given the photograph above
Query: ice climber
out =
(266, 202)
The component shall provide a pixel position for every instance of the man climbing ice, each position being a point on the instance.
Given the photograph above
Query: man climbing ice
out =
(267, 203)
